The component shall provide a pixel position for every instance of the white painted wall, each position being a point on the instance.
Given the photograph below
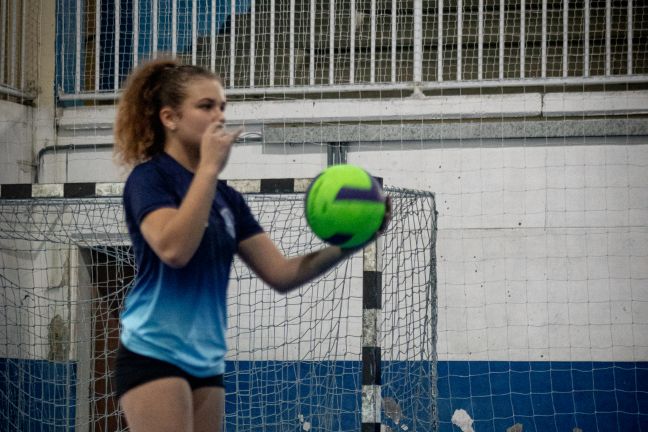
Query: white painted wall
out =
(541, 250)
(90, 129)
(541, 243)
(35, 288)
(15, 143)
(248, 160)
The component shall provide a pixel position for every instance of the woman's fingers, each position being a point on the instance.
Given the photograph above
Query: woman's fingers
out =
(218, 130)
(388, 215)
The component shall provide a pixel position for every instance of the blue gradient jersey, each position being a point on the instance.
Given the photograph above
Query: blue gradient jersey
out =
(180, 315)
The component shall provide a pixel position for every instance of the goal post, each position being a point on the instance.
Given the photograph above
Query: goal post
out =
(353, 350)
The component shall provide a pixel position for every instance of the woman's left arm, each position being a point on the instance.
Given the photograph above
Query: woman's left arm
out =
(285, 274)
(282, 273)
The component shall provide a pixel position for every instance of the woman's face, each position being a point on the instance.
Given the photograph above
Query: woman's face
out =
(204, 104)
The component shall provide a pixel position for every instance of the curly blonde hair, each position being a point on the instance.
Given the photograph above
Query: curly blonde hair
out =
(139, 133)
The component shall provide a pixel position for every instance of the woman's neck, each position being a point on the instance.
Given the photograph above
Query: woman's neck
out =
(184, 156)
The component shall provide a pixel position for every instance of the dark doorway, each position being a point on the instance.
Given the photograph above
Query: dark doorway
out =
(112, 272)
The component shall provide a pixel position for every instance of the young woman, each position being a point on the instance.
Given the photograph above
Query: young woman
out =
(185, 227)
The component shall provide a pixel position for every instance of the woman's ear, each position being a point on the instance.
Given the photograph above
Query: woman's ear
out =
(168, 118)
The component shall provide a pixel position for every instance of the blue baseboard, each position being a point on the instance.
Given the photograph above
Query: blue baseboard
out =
(37, 395)
(545, 396)
(40, 396)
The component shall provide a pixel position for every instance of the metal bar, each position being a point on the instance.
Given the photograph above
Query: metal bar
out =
(372, 45)
(608, 37)
(311, 55)
(372, 301)
(332, 43)
(394, 40)
(212, 38)
(117, 30)
(252, 38)
(12, 44)
(9, 91)
(352, 25)
(194, 31)
(630, 31)
(480, 41)
(522, 38)
(174, 27)
(460, 38)
(543, 54)
(586, 37)
(60, 86)
(77, 46)
(428, 85)
(272, 43)
(291, 45)
(97, 68)
(3, 33)
(23, 44)
(154, 29)
(440, 41)
(136, 32)
(565, 46)
(77, 43)
(501, 40)
(232, 44)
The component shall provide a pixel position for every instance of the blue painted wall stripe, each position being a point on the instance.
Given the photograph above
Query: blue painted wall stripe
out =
(543, 396)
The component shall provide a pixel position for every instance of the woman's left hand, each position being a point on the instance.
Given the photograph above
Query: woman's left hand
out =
(388, 217)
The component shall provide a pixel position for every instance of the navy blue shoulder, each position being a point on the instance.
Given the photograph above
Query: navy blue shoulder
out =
(231, 195)
(145, 169)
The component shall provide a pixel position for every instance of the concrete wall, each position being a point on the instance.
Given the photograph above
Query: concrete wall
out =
(16, 132)
(541, 249)
(542, 202)
(540, 220)
(541, 266)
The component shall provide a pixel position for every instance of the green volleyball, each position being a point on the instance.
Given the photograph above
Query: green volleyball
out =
(345, 206)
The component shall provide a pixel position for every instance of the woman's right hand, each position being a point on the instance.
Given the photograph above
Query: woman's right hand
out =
(163, 227)
(216, 145)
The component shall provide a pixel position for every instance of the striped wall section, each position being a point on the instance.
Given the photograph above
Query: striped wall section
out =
(60, 190)
(95, 190)
(92, 190)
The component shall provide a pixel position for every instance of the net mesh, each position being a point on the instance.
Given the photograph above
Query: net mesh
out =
(294, 360)
(526, 118)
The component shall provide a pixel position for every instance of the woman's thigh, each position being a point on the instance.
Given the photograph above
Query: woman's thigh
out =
(209, 409)
(161, 405)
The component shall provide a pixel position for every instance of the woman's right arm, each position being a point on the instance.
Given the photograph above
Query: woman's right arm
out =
(175, 234)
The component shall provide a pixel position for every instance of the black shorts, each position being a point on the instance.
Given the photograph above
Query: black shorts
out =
(133, 369)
